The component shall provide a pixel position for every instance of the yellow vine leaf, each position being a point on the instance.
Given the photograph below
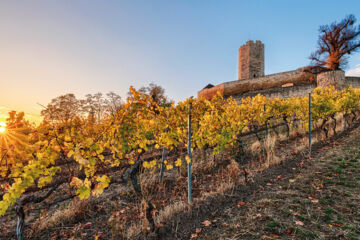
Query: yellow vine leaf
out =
(188, 160)
(178, 162)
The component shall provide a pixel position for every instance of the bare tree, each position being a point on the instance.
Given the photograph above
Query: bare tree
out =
(67, 107)
(157, 93)
(113, 102)
(62, 109)
(95, 106)
(336, 41)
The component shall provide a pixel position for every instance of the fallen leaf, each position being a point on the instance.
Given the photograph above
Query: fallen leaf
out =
(274, 235)
(300, 223)
(206, 223)
(194, 235)
(315, 201)
(86, 225)
(257, 215)
(240, 204)
(198, 230)
(336, 224)
(288, 232)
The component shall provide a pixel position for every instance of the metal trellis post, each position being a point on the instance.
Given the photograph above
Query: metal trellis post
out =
(189, 154)
(309, 124)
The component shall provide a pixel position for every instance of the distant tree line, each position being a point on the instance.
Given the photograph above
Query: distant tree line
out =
(94, 107)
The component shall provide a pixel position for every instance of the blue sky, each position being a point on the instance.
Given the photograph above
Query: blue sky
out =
(49, 48)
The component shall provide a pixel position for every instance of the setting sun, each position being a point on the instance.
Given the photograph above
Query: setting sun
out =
(2, 127)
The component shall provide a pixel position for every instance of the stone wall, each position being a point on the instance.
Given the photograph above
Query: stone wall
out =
(302, 90)
(352, 81)
(272, 81)
(335, 78)
(284, 92)
(251, 60)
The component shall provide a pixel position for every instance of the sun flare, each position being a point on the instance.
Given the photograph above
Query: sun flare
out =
(2, 127)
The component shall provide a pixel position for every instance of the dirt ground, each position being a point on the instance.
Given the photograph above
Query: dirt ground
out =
(315, 199)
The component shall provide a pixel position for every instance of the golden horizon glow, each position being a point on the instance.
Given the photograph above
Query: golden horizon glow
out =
(2, 127)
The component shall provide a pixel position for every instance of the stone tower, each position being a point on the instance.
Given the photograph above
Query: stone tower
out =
(251, 60)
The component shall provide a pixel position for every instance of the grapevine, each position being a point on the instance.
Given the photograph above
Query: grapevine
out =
(81, 156)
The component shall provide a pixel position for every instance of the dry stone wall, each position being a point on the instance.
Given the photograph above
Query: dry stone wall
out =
(352, 81)
(285, 92)
(335, 78)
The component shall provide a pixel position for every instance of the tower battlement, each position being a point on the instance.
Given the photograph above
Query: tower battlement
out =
(251, 60)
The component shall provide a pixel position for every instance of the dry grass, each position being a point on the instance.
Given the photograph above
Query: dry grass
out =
(201, 166)
(170, 211)
(255, 147)
(269, 146)
(221, 188)
(302, 145)
(134, 230)
(74, 212)
(233, 171)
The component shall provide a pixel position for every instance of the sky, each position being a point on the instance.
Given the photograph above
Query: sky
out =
(50, 48)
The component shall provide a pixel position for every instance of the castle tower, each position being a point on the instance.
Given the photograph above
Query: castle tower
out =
(251, 60)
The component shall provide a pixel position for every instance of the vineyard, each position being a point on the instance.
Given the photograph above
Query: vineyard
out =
(152, 148)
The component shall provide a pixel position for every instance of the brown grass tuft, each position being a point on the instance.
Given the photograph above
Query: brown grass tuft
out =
(255, 147)
(269, 146)
(233, 171)
(169, 211)
(74, 212)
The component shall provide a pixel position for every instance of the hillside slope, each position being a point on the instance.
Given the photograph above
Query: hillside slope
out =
(318, 199)
(296, 199)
